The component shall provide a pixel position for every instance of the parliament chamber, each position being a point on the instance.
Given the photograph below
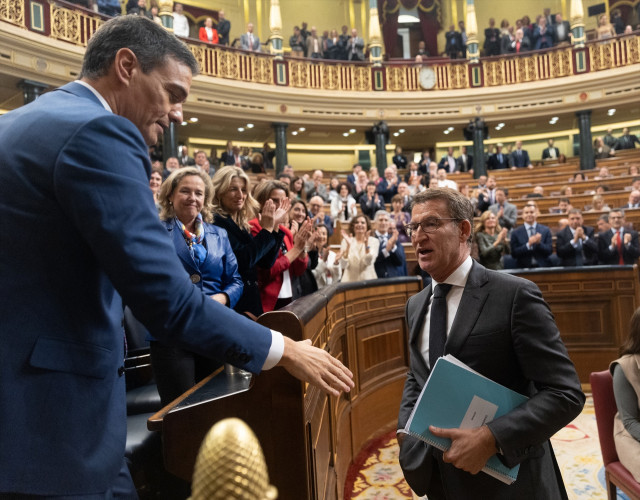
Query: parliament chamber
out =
(310, 439)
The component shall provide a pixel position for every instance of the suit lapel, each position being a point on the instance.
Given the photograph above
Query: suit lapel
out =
(417, 326)
(471, 303)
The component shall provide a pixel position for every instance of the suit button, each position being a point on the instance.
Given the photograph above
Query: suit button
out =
(121, 371)
(195, 278)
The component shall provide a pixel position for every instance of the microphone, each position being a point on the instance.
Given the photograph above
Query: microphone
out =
(230, 464)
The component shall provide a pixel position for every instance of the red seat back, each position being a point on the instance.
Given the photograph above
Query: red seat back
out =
(604, 404)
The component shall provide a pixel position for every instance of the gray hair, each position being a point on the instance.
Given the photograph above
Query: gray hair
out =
(379, 213)
(459, 206)
(151, 43)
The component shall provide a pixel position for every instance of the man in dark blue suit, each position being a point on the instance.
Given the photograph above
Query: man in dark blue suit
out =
(498, 160)
(519, 157)
(80, 236)
(391, 260)
(531, 243)
(575, 243)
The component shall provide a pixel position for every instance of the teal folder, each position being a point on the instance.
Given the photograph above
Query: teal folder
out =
(455, 396)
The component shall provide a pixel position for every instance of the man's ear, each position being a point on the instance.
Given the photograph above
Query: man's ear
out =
(125, 65)
(465, 230)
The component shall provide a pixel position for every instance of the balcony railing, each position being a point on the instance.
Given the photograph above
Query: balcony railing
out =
(66, 22)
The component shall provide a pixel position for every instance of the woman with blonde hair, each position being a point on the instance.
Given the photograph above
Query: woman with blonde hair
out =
(234, 207)
(492, 241)
(205, 252)
(604, 30)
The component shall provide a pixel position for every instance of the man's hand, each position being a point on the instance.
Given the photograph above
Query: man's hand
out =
(627, 238)
(470, 448)
(579, 234)
(316, 366)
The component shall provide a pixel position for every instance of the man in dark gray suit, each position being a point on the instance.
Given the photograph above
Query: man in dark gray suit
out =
(507, 333)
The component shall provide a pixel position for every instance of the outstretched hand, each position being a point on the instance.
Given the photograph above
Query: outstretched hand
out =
(470, 448)
(316, 366)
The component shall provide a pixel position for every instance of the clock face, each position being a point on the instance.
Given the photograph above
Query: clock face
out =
(427, 78)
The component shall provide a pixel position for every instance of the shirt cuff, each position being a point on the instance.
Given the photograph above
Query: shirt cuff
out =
(275, 351)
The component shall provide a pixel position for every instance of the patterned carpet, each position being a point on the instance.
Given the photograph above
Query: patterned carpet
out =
(376, 475)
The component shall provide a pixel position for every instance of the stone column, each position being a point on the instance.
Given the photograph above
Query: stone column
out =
(31, 90)
(381, 135)
(375, 36)
(165, 11)
(169, 143)
(479, 166)
(471, 25)
(587, 156)
(281, 146)
(577, 24)
(275, 24)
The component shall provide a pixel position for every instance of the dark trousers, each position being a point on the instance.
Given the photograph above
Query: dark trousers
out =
(176, 370)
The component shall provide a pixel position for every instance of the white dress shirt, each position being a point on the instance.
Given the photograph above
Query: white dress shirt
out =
(458, 279)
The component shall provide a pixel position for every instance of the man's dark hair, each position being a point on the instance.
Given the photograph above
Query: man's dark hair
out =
(283, 176)
(151, 43)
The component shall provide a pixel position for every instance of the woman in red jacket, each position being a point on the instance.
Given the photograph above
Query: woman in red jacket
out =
(208, 33)
(275, 283)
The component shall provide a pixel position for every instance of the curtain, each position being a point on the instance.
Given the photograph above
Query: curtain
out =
(429, 14)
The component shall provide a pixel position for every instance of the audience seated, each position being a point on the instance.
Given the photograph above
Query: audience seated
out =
(328, 269)
(206, 254)
(317, 214)
(531, 243)
(391, 260)
(634, 200)
(492, 241)
(619, 245)
(275, 282)
(576, 244)
(343, 207)
(399, 218)
(626, 389)
(506, 212)
(315, 186)
(598, 204)
(443, 182)
(371, 201)
(358, 251)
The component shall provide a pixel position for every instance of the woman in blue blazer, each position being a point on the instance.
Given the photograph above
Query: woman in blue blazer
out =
(205, 253)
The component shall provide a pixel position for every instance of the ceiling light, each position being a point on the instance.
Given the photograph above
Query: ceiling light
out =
(352, 130)
(555, 118)
(295, 132)
(183, 123)
(447, 132)
(302, 129)
(501, 124)
(611, 112)
(401, 131)
(450, 129)
(346, 134)
(249, 125)
(396, 134)
(240, 129)
(193, 119)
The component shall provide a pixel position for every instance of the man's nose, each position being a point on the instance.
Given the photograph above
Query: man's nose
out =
(175, 114)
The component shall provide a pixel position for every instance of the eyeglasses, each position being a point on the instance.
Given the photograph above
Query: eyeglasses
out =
(430, 225)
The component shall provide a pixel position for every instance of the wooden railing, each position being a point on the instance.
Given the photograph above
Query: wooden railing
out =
(309, 439)
(66, 22)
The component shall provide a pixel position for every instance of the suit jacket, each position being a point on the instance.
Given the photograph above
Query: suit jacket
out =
(519, 160)
(386, 191)
(202, 35)
(504, 330)
(491, 42)
(270, 280)
(251, 252)
(567, 253)
(392, 265)
(309, 46)
(541, 251)
(223, 28)
(94, 240)
(546, 153)
(245, 45)
(219, 271)
(453, 45)
(355, 49)
(630, 252)
(494, 162)
(462, 165)
(227, 158)
(444, 163)
(509, 214)
(554, 32)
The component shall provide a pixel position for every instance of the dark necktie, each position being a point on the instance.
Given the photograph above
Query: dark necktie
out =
(438, 323)
(619, 247)
(579, 254)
